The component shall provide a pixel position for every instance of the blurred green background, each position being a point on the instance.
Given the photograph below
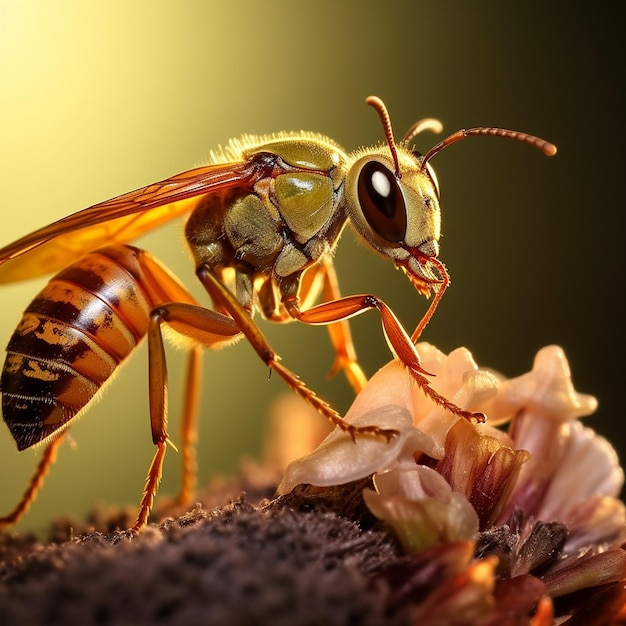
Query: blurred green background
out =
(100, 98)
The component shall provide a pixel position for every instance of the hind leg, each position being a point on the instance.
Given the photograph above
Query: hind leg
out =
(208, 328)
(47, 459)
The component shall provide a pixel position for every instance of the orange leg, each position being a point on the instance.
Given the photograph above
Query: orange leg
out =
(47, 459)
(207, 327)
(318, 278)
(157, 382)
(258, 341)
(398, 340)
(193, 383)
(340, 335)
(203, 327)
(152, 485)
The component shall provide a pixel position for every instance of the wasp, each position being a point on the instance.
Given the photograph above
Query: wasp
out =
(262, 222)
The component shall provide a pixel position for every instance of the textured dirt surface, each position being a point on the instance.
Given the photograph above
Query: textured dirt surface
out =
(297, 560)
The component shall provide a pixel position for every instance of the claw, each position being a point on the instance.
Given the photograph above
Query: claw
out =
(370, 431)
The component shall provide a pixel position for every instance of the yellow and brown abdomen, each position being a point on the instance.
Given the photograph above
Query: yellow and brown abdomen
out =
(71, 338)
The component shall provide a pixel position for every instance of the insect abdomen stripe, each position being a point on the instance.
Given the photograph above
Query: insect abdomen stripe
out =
(71, 338)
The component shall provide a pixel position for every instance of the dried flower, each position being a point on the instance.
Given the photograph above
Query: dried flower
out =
(519, 524)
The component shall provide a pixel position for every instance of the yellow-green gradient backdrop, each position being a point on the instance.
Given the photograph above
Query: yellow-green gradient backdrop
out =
(97, 98)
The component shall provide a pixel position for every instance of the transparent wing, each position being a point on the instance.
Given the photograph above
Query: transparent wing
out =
(118, 220)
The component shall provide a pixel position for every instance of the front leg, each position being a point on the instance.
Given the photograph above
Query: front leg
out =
(339, 332)
(218, 291)
(398, 340)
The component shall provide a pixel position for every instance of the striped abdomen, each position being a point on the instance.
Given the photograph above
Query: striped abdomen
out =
(70, 339)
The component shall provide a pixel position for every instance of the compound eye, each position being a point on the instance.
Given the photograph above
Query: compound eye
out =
(382, 202)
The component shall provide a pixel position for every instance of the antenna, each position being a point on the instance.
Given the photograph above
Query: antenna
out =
(428, 123)
(381, 109)
(546, 147)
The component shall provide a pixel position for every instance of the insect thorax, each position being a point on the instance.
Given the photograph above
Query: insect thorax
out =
(258, 241)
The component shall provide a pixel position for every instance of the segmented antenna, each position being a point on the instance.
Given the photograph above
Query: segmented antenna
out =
(381, 109)
(546, 147)
(428, 123)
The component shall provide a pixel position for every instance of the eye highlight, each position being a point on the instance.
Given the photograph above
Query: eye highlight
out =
(382, 202)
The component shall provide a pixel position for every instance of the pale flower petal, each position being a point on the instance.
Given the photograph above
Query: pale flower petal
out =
(339, 459)
(390, 385)
(543, 492)
(426, 522)
(456, 377)
(587, 467)
(413, 482)
(568, 463)
(598, 521)
(421, 506)
(546, 391)
(389, 400)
